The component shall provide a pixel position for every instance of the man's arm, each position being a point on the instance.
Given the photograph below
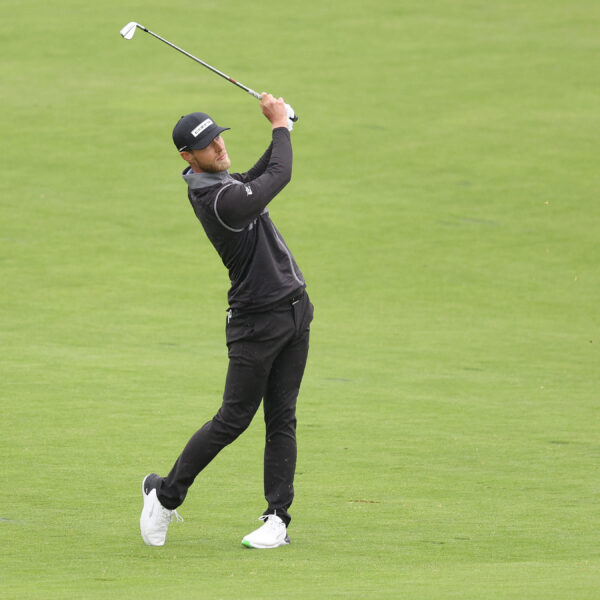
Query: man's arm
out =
(258, 169)
(239, 205)
(271, 108)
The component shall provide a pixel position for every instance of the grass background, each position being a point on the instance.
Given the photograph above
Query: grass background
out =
(444, 210)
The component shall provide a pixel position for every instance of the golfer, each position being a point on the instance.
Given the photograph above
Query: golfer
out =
(267, 325)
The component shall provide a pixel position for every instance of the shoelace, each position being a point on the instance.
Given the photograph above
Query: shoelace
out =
(272, 523)
(168, 516)
(175, 516)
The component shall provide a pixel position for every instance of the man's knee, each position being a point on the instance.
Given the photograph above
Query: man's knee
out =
(231, 425)
(282, 420)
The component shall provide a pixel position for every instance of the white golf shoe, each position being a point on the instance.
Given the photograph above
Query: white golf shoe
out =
(271, 534)
(155, 518)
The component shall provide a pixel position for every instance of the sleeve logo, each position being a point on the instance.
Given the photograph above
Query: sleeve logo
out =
(248, 190)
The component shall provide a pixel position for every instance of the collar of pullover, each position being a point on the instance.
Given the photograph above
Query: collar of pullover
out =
(198, 181)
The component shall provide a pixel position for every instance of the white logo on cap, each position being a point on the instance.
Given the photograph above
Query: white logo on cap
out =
(198, 130)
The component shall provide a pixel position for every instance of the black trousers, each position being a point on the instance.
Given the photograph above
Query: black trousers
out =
(267, 357)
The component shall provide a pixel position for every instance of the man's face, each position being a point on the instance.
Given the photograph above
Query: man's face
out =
(212, 159)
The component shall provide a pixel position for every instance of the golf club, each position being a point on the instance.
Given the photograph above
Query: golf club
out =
(129, 31)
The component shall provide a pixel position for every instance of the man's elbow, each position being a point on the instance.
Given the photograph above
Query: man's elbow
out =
(281, 177)
(286, 174)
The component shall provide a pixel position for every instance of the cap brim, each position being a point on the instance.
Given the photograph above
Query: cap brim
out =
(201, 144)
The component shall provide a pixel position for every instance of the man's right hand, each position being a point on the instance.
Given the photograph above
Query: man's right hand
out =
(274, 109)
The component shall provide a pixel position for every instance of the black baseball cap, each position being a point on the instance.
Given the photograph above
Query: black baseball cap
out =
(195, 131)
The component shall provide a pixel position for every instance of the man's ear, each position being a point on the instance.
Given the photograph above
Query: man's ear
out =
(187, 156)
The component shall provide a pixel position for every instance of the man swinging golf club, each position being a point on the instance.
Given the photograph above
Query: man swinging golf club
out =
(267, 327)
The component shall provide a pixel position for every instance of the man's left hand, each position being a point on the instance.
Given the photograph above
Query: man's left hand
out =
(291, 115)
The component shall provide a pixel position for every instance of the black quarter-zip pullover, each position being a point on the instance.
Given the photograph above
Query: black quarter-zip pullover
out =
(233, 211)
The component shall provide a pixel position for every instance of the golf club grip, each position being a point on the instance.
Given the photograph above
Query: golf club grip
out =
(257, 95)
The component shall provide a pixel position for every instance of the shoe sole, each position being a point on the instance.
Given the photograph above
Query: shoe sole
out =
(247, 544)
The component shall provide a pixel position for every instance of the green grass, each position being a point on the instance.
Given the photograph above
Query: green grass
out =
(444, 210)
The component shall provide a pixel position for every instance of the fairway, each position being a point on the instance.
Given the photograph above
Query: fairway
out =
(444, 211)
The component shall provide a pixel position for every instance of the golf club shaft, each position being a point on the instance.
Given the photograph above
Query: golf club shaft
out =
(240, 85)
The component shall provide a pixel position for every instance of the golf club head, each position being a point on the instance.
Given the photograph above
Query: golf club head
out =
(129, 30)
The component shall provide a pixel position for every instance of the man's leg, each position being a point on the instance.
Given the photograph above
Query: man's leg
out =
(244, 388)
(279, 404)
(280, 418)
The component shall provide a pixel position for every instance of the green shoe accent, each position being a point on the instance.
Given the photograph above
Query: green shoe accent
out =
(247, 544)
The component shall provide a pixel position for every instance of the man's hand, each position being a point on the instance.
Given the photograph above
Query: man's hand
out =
(292, 118)
(275, 109)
